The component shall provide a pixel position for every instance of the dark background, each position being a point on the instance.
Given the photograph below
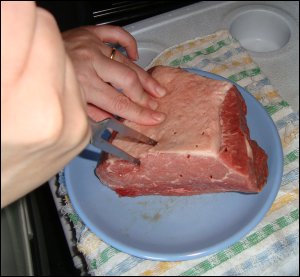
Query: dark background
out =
(71, 14)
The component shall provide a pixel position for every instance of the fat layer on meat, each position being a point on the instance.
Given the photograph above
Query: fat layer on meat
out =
(203, 146)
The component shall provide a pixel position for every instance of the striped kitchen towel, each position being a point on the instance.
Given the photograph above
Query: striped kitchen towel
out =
(273, 246)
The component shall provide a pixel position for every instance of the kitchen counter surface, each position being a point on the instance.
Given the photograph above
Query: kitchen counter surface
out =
(197, 20)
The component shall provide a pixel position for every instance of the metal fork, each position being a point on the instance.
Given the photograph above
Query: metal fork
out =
(98, 128)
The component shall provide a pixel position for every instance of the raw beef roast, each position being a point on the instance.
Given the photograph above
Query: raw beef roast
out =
(203, 146)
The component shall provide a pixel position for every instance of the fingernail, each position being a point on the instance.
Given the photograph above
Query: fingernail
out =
(159, 117)
(161, 91)
(153, 104)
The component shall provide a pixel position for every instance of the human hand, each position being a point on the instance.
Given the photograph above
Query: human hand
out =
(96, 71)
(43, 119)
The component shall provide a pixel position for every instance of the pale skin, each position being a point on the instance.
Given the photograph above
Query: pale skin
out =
(46, 84)
(137, 103)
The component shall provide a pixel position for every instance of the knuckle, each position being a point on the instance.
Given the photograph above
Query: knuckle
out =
(117, 30)
(79, 134)
(82, 77)
(53, 129)
(82, 52)
(47, 18)
(148, 79)
(51, 126)
(46, 15)
(130, 79)
(122, 103)
(67, 137)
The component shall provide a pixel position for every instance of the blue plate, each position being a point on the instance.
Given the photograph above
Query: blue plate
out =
(176, 228)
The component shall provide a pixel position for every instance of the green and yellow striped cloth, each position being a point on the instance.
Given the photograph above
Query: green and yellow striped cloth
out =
(273, 246)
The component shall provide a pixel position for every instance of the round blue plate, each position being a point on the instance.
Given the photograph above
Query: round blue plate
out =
(176, 228)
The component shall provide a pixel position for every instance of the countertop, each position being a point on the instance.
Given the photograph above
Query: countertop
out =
(282, 67)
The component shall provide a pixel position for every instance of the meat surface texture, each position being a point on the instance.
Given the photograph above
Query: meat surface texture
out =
(204, 145)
